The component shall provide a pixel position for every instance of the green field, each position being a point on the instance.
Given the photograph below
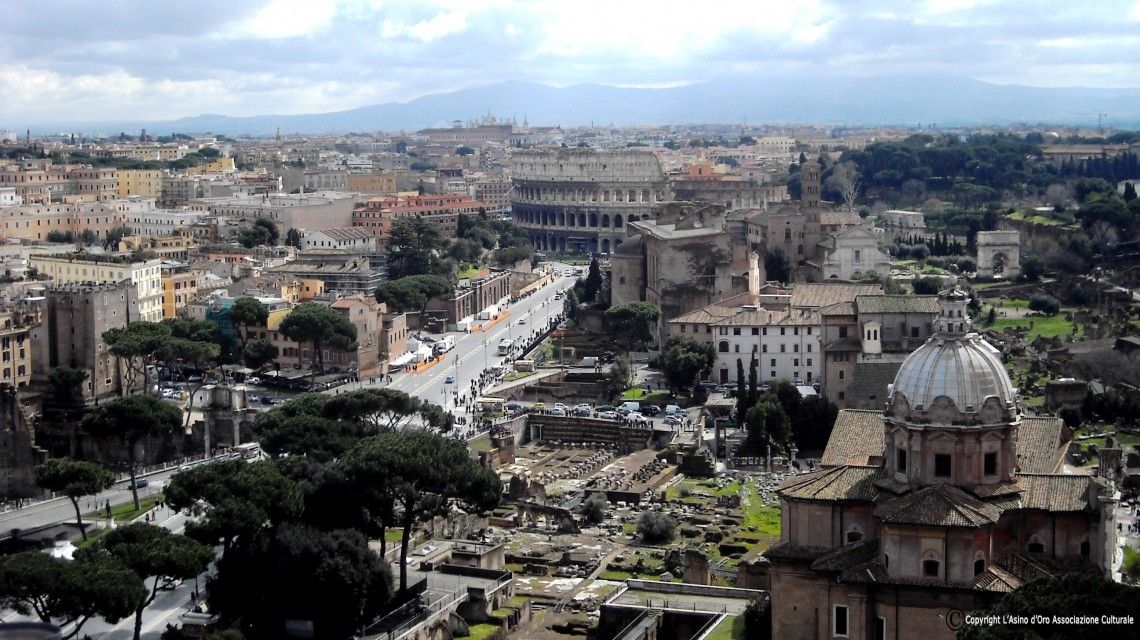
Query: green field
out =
(731, 628)
(1037, 219)
(1044, 326)
(638, 393)
(481, 631)
(126, 512)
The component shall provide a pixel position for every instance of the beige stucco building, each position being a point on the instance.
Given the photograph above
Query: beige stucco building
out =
(82, 268)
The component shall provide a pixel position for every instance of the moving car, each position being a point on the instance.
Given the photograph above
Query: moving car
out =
(140, 483)
(672, 410)
(651, 409)
(522, 320)
(538, 406)
(672, 421)
(605, 407)
(449, 379)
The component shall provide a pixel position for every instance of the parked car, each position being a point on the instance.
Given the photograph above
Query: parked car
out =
(194, 379)
(608, 415)
(604, 408)
(253, 397)
(522, 320)
(514, 407)
(650, 409)
(140, 483)
(582, 409)
(561, 413)
(559, 405)
(672, 421)
(449, 379)
(538, 406)
(253, 380)
(672, 409)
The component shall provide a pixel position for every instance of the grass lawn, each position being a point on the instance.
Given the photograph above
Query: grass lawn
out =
(517, 375)
(731, 628)
(1016, 303)
(1046, 326)
(471, 273)
(1037, 219)
(514, 567)
(616, 576)
(393, 535)
(481, 631)
(629, 528)
(638, 393)
(482, 443)
(766, 519)
(126, 512)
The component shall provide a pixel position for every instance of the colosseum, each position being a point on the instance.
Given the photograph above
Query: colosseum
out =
(578, 200)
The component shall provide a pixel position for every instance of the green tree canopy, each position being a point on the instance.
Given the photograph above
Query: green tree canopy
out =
(135, 344)
(236, 500)
(330, 578)
(414, 245)
(74, 479)
(65, 592)
(411, 293)
(246, 314)
(777, 265)
(635, 319)
(684, 360)
(321, 327)
(152, 553)
(128, 421)
(259, 352)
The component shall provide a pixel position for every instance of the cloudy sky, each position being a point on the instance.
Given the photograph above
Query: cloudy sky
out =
(91, 60)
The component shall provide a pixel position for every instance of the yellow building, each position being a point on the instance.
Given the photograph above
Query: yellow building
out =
(179, 286)
(220, 165)
(173, 247)
(380, 182)
(146, 183)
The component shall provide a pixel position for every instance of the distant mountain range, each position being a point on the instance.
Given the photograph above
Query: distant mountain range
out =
(883, 100)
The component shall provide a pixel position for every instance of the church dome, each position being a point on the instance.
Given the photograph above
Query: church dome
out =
(956, 371)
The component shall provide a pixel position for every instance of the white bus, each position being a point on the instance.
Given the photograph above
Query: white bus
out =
(505, 346)
(249, 450)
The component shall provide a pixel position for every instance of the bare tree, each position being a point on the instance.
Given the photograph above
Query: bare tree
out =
(1059, 195)
(1103, 234)
(846, 180)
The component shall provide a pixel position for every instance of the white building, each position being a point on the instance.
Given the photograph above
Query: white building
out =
(900, 222)
(352, 239)
(160, 222)
(852, 251)
(80, 268)
(8, 197)
(785, 344)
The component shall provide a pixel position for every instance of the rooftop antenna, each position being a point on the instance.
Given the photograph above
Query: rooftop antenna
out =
(1100, 122)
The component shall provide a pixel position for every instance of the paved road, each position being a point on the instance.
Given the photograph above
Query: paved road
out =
(60, 510)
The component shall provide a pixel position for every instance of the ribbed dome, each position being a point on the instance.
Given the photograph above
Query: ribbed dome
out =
(965, 369)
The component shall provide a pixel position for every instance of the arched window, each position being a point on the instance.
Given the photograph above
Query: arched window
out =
(854, 534)
(931, 565)
(605, 220)
(979, 563)
(617, 221)
(593, 219)
(787, 234)
(723, 346)
(1035, 546)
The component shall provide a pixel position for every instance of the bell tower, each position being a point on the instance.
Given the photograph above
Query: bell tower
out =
(809, 185)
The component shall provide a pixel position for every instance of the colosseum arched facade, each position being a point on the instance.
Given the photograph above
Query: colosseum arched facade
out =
(580, 200)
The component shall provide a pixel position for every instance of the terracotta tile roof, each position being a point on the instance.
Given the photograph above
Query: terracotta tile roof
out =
(940, 505)
(856, 437)
(751, 318)
(897, 304)
(347, 233)
(996, 578)
(837, 483)
(1054, 493)
(705, 315)
(844, 344)
(794, 551)
(1041, 444)
(839, 309)
(825, 294)
(847, 556)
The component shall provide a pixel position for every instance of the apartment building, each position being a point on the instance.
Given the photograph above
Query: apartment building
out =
(372, 182)
(146, 276)
(145, 183)
(179, 286)
(379, 214)
(17, 321)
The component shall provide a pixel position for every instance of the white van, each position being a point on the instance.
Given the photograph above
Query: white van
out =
(673, 410)
(631, 407)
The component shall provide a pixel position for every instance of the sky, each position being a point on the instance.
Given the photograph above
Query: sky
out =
(97, 60)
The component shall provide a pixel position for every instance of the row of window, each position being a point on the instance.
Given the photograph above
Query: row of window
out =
(756, 331)
(944, 463)
(722, 347)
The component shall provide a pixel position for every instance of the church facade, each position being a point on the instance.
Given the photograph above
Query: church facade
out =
(936, 506)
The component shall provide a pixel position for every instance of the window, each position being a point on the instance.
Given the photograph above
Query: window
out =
(930, 568)
(723, 346)
(783, 348)
(773, 362)
(839, 620)
(979, 566)
(736, 331)
(809, 362)
(900, 460)
(1085, 548)
(755, 331)
(842, 395)
(854, 535)
(842, 332)
(880, 628)
(796, 362)
(914, 332)
(1035, 547)
(942, 465)
(783, 330)
(682, 328)
(857, 254)
(990, 463)
(764, 348)
(841, 374)
(796, 348)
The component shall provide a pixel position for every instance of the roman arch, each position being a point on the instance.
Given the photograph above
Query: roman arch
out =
(999, 254)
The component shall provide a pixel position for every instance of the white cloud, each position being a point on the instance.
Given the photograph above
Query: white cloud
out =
(285, 19)
(442, 24)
